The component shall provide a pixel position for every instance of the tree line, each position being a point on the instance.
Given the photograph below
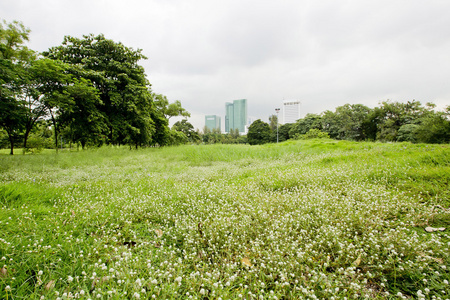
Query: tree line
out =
(89, 90)
(389, 122)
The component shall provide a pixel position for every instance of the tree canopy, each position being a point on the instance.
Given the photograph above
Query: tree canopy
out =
(125, 99)
(259, 132)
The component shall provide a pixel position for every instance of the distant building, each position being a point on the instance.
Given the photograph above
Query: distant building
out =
(229, 116)
(236, 115)
(291, 111)
(213, 122)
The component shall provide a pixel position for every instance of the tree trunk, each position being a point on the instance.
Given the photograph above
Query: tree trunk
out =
(25, 139)
(56, 131)
(110, 136)
(11, 141)
(56, 138)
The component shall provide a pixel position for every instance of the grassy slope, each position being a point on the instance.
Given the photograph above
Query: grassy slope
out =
(333, 219)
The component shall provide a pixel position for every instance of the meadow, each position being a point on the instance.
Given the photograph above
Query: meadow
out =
(314, 219)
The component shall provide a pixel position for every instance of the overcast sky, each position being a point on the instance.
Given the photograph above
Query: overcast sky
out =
(325, 53)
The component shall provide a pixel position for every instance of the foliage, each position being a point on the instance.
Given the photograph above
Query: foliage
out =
(78, 113)
(14, 55)
(187, 129)
(392, 115)
(346, 123)
(302, 126)
(125, 97)
(169, 110)
(214, 136)
(177, 138)
(259, 133)
(273, 122)
(434, 127)
(313, 134)
(391, 121)
(407, 133)
(283, 132)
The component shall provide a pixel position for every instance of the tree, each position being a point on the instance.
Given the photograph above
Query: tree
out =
(314, 134)
(51, 78)
(12, 39)
(349, 119)
(434, 127)
(14, 55)
(302, 126)
(124, 91)
(44, 78)
(283, 132)
(390, 116)
(330, 124)
(258, 133)
(12, 118)
(234, 134)
(188, 129)
(169, 110)
(177, 138)
(273, 122)
(79, 114)
(407, 133)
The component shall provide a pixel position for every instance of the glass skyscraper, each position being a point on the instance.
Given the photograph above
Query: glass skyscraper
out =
(236, 115)
(212, 122)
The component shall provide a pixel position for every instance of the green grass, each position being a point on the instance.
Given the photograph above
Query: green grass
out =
(299, 219)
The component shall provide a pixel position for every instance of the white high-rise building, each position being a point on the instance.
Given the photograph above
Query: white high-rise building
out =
(291, 111)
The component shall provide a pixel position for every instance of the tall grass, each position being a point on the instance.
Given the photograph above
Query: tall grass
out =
(299, 219)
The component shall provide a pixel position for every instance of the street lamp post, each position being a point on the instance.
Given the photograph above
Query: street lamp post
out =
(277, 110)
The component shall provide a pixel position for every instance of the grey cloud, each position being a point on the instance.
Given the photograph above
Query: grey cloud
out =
(325, 53)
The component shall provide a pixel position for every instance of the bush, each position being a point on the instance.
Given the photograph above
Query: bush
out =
(37, 142)
(312, 134)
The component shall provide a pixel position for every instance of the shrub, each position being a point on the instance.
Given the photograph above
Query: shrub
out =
(313, 134)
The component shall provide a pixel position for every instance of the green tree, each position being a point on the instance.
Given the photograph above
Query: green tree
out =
(14, 55)
(12, 118)
(347, 123)
(258, 133)
(44, 78)
(273, 122)
(79, 114)
(51, 79)
(231, 137)
(314, 134)
(177, 138)
(302, 126)
(188, 129)
(124, 90)
(390, 116)
(169, 110)
(283, 132)
(407, 133)
(433, 127)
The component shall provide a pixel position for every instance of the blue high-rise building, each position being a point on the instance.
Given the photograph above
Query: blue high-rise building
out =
(212, 122)
(236, 115)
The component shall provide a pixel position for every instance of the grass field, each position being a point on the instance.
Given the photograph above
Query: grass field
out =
(295, 220)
